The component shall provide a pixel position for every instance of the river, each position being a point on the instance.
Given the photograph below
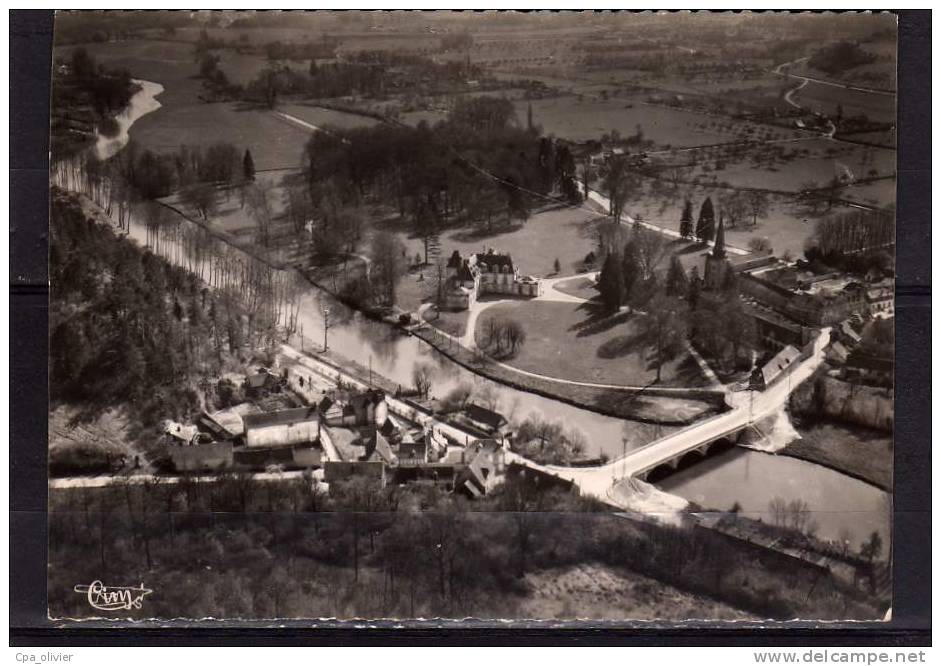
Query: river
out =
(841, 505)
(143, 102)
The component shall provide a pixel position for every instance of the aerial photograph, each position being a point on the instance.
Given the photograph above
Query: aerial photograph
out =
(511, 316)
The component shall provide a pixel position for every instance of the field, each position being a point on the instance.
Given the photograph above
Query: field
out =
(599, 592)
(878, 192)
(582, 343)
(321, 117)
(184, 120)
(786, 226)
(812, 160)
(824, 98)
(589, 118)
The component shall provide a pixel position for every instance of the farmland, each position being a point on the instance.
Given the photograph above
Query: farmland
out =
(185, 120)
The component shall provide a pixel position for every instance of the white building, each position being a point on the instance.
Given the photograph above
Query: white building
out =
(485, 273)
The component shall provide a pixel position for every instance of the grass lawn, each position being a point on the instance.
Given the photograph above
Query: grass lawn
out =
(579, 342)
(451, 322)
(582, 287)
(556, 233)
(411, 291)
(862, 452)
(786, 226)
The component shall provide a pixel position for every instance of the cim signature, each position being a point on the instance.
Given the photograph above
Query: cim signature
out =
(113, 598)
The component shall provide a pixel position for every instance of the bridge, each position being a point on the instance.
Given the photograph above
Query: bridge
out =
(747, 408)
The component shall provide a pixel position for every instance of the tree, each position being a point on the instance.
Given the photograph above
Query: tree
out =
(201, 198)
(650, 248)
(677, 284)
(759, 245)
(738, 327)
(421, 379)
(514, 334)
(871, 549)
(757, 203)
(556, 266)
(664, 327)
(611, 282)
(258, 198)
(632, 273)
(248, 166)
(619, 183)
(705, 226)
(735, 208)
(695, 288)
(388, 260)
(686, 220)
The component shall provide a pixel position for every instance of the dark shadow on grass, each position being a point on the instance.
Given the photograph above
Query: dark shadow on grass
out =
(688, 373)
(479, 233)
(622, 345)
(692, 248)
(599, 320)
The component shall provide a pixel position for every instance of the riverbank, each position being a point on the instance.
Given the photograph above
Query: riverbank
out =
(858, 452)
(620, 403)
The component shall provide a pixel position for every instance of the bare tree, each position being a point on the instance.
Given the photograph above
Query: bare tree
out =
(758, 204)
(421, 378)
(258, 198)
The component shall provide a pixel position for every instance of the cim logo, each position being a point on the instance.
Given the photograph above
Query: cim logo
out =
(113, 598)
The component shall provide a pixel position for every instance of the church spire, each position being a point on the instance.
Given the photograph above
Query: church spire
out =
(718, 250)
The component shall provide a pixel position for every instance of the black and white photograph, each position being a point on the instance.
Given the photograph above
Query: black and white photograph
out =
(538, 317)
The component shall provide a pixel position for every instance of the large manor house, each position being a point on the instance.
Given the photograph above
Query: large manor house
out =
(485, 273)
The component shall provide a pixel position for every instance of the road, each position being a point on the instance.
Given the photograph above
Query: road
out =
(104, 480)
(748, 407)
(605, 202)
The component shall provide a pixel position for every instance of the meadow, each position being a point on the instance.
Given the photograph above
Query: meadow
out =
(185, 120)
(824, 98)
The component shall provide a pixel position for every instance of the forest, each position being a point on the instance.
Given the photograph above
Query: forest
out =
(237, 547)
(128, 329)
(477, 168)
(85, 97)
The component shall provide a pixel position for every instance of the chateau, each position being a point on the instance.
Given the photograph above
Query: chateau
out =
(485, 273)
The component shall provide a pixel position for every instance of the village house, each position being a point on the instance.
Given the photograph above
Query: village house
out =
(287, 427)
(467, 279)
(873, 370)
(361, 409)
(775, 369)
(487, 421)
(485, 462)
(881, 300)
(260, 382)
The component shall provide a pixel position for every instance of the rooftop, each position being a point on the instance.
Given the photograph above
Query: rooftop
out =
(282, 417)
